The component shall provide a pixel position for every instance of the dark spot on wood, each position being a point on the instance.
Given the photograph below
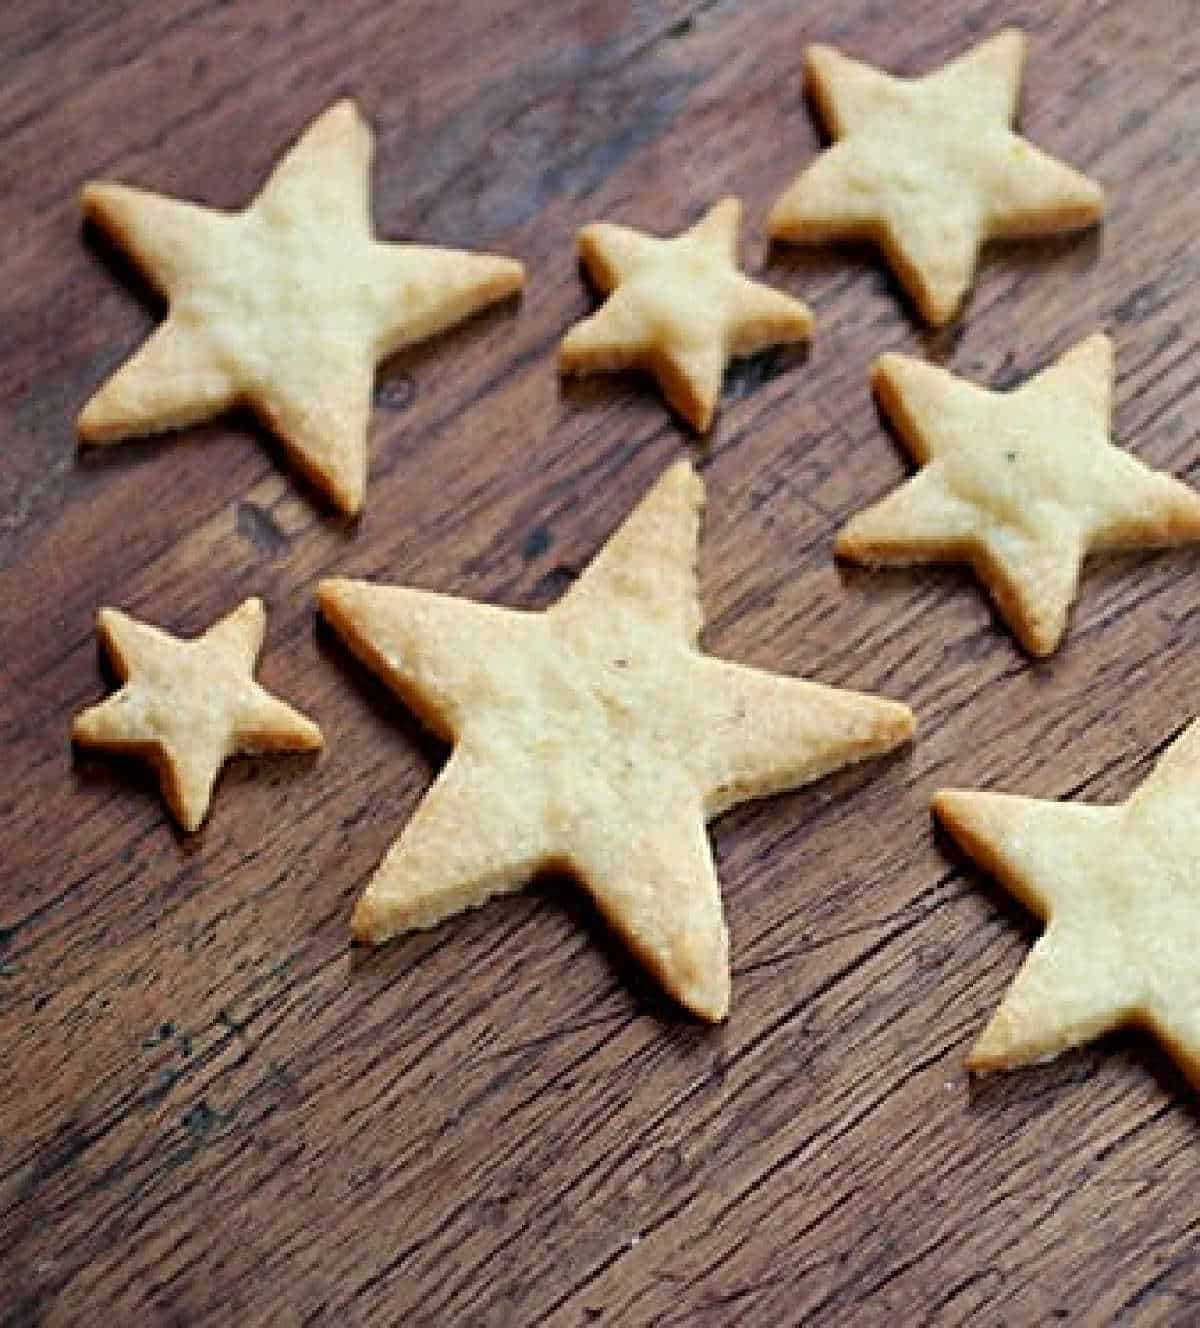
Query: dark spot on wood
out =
(254, 523)
(557, 580)
(1010, 456)
(164, 1081)
(536, 543)
(1142, 301)
(747, 374)
(27, 1309)
(1008, 374)
(396, 392)
(68, 1143)
(620, 663)
(160, 1035)
(226, 1020)
(681, 27)
(199, 1119)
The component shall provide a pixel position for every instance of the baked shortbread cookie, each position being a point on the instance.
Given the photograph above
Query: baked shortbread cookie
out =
(1019, 484)
(596, 739)
(928, 169)
(679, 309)
(187, 706)
(285, 307)
(1119, 891)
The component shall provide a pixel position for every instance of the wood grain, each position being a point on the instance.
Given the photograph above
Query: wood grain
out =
(211, 1110)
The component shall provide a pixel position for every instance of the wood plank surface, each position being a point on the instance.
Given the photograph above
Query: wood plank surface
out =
(212, 1109)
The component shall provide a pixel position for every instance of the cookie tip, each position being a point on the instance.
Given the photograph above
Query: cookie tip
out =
(366, 926)
(329, 591)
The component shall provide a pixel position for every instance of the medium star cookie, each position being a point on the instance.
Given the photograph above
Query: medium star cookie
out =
(1019, 484)
(285, 307)
(678, 308)
(187, 706)
(929, 169)
(1119, 891)
(596, 739)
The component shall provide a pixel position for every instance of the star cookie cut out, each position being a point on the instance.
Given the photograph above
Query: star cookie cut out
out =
(285, 307)
(1019, 484)
(594, 739)
(929, 169)
(1119, 890)
(187, 706)
(679, 309)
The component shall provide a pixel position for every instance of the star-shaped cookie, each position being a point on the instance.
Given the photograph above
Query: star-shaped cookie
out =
(678, 308)
(929, 169)
(596, 739)
(1019, 484)
(1119, 891)
(187, 706)
(285, 307)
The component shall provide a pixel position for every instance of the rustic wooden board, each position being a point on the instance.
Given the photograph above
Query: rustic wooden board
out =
(211, 1110)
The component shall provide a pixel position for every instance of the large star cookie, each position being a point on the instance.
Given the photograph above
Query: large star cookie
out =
(596, 739)
(187, 706)
(285, 307)
(1019, 484)
(1119, 891)
(679, 309)
(929, 169)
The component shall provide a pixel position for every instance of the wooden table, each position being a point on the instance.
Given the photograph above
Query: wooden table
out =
(213, 1110)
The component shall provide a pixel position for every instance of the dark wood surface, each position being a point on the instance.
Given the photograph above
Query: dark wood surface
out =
(211, 1109)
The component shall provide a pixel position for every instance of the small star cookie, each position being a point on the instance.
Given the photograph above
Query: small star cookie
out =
(1019, 484)
(187, 706)
(929, 169)
(285, 307)
(596, 739)
(1119, 891)
(679, 309)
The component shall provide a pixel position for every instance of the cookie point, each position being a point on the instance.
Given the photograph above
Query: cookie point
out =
(589, 235)
(330, 591)
(901, 721)
(309, 736)
(706, 995)
(1099, 344)
(818, 53)
(949, 804)
(885, 367)
(682, 475)
(512, 272)
(1012, 37)
(365, 924)
(342, 113)
(93, 423)
(91, 197)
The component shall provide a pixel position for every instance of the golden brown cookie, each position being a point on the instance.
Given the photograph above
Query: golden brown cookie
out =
(928, 169)
(1019, 484)
(594, 738)
(678, 308)
(187, 706)
(1119, 891)
(285, 307)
